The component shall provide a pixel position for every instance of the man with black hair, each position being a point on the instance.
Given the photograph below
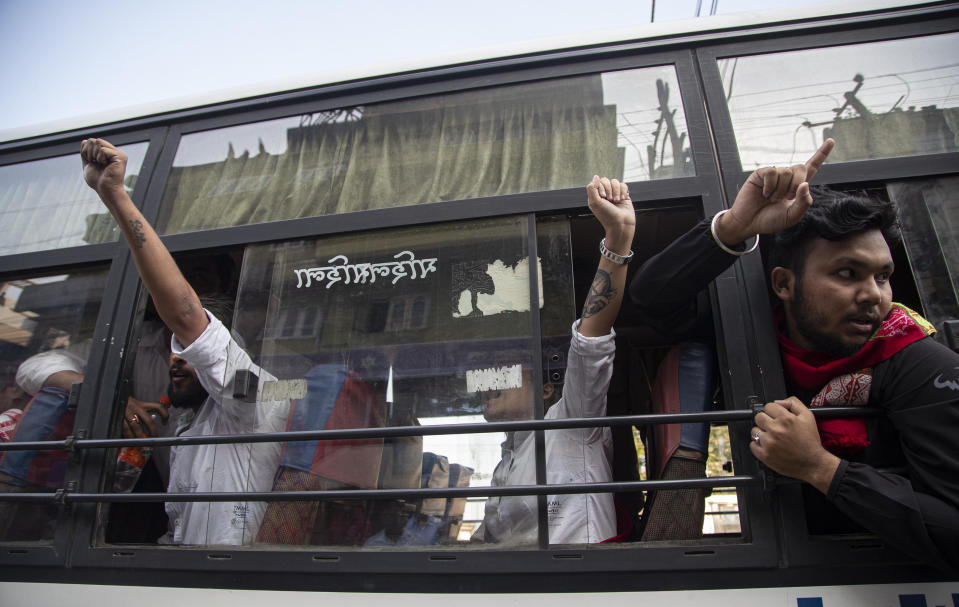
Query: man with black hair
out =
(203, 361)
(144, 416)
(580, 455)
(844, 342)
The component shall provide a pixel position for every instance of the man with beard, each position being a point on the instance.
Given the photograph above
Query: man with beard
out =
(203, 362)
(844, 342)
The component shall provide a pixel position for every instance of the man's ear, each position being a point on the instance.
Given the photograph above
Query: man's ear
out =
(783, 283)
(548, 390)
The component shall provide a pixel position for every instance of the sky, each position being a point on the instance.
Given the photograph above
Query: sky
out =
(63, 58)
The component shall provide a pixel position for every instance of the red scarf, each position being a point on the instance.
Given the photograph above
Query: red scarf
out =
(844, 382)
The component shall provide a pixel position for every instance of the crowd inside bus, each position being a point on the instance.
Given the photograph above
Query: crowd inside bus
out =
(374, 334)
(843, 339)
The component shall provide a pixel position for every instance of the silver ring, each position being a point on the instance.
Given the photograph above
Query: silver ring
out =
(755, 436)
(135, 419)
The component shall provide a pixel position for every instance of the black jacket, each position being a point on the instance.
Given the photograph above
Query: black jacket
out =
(918, 388)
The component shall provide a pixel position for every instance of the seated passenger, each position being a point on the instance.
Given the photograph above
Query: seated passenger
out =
(575, 455)
(204, 359)
(843, 343)
(62, 367)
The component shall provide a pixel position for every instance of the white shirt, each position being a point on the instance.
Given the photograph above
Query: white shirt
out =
(572, 456)
(215, 357)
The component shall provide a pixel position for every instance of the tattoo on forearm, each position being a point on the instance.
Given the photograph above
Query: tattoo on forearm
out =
(600, 294)
(138, 236)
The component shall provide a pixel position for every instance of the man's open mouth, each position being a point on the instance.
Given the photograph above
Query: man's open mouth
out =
(865, 324)
(178, 375)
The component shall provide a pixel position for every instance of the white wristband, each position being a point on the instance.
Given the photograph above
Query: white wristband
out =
(614, 257)
(721, 245)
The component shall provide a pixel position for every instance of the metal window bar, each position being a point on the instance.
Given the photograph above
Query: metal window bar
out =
(739, 415)
(764, 479)
(539, 407)
(63, 496)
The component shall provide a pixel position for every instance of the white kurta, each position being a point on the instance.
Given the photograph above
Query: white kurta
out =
(223, 468)
(572, 456)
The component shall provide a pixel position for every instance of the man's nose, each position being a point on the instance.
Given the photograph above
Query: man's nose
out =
(870, 292)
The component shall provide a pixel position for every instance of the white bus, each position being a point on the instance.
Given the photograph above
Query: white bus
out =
(380, 233)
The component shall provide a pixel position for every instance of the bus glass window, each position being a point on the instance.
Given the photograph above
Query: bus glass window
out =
(877, 100)
(46, 329)
(45, 204)
(530, 137)
(721, 512)
(928, 212)
(662, 367)
(145, 390)
(419, 326)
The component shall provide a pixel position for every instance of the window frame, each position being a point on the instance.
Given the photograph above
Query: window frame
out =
(755, 548)
(800, 549)
(738, 297)
(111, 258)
(90, 253)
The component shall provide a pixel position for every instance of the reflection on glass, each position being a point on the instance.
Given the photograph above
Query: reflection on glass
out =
(45, 328)
(403, 327)
(192, 397)
(929, 215)
(721, 515)
(481, 452)
(877, 100)
(520, 138)
(651, 123)
(45, 204)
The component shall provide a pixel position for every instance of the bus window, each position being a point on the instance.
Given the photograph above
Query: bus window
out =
(44, 204)
(877, 100)
(146, 381)
(404, 327)
(46, 326)
(663, 369)
(928, 211)
(530, 137)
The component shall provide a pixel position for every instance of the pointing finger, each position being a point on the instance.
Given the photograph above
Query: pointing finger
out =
(818, 158)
